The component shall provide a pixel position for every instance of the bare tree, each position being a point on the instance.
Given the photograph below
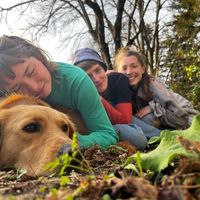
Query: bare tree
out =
(110, 23)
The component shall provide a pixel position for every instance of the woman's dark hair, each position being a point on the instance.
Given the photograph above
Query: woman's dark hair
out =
(145, 81)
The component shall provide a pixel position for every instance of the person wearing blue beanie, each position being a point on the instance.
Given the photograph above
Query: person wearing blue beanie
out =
(87, 54)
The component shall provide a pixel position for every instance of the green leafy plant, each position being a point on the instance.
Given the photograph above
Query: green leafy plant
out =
(138, 161)
(64, 180)
(64, 162)
(154, 140)
(192, 71)
(74, 161)
(12, 198)
(135, 167)
(116, 147)
(106, 197)
(169, 148)
(54, 191)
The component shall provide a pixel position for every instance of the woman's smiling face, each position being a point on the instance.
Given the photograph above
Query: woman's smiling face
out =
(132, 68)
(31, 78)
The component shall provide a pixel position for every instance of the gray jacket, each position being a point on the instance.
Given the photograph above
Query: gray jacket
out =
(171, 108)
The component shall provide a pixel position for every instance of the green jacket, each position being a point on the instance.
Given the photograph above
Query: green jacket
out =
(75, 90)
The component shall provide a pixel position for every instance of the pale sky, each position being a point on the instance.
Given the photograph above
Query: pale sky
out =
(48, 43)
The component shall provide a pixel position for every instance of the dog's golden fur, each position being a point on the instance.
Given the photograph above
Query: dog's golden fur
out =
(31, 133)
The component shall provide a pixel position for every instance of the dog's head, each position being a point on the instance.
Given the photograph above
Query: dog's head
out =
(32, 134)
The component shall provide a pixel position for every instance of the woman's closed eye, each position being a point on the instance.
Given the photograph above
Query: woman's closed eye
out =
(133, 66)
(30, 72)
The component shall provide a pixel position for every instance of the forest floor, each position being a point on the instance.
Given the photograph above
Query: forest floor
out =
(107, 179)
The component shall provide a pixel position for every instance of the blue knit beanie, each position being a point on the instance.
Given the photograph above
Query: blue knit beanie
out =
(87, 54)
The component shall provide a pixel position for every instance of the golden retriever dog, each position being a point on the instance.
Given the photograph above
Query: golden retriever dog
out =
(32, 134)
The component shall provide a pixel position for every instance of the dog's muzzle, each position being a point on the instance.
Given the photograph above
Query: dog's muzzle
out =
(65, 149)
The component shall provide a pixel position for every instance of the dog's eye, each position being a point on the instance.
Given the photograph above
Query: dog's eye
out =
(32, 127)
(64, 128)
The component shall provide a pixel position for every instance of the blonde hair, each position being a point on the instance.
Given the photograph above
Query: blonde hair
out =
(129, 51)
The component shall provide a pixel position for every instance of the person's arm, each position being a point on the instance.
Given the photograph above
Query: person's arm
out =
(117, 99)
(121, 114)
(94, 115)
(164, 96)
(143, 112)
(166, 106)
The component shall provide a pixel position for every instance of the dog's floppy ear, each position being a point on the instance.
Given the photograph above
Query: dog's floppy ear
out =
(1, 131)
(14, 100)
(3, 116)
(18, 99)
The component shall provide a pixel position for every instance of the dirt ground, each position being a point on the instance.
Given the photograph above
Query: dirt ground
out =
(107, 180)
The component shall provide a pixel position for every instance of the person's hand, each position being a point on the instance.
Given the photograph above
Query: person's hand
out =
(143, 111)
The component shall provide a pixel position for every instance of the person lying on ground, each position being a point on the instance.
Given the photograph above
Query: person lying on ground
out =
(26, 69)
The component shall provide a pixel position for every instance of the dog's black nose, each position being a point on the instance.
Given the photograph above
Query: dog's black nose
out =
(66, 148)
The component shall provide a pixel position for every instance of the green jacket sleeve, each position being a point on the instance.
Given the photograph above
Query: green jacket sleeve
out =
(89, 104)
(75, 90)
